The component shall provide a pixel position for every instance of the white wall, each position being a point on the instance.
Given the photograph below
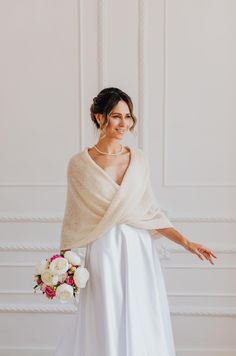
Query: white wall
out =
(176, 60)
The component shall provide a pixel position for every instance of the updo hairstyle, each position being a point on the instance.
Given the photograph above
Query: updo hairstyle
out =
(105, 101)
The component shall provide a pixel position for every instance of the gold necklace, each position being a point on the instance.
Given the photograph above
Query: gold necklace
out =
(110, 154)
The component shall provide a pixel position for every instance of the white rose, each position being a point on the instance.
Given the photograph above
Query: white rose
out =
(62, 277)
(81, 276)
(59, 265)
(64, 292)
(41, 266)
(48, 278)
(72, 258)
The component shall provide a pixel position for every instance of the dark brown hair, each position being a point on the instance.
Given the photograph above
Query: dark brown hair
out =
(105, 101)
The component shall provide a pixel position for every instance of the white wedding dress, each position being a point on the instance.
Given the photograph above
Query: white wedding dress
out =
(123, 310)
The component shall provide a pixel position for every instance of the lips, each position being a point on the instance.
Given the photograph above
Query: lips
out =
(120, 131)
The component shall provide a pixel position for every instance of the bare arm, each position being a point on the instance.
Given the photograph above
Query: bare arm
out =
(198, 249)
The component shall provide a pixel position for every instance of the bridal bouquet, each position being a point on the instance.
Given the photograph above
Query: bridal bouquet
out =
(61, 276)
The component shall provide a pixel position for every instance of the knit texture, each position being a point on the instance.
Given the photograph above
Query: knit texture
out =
(95, 202)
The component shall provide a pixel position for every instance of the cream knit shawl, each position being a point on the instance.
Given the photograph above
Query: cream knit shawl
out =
(95, 202)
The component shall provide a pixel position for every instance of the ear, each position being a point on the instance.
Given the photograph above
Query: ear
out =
(99, 118)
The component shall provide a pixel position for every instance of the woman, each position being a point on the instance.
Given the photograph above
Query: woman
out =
(111, 210)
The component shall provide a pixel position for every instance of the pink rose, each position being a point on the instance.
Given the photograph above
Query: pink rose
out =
(50, 292)
(70, 281)
(54, 257)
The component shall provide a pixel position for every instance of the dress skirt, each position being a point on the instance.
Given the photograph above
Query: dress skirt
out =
(123, 310)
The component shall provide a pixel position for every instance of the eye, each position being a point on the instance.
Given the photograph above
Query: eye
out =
(117, 117)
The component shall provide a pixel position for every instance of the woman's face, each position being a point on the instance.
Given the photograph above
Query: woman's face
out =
(120, 120)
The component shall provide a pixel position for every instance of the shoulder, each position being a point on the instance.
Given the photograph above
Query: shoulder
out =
(139, 151)
(75, 161)
(141, 154)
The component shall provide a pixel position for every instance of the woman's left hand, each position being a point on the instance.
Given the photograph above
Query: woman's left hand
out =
(201, 251)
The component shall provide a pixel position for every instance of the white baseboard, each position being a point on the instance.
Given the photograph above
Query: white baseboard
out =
(26, 351)
(48, 351)
(205, 352)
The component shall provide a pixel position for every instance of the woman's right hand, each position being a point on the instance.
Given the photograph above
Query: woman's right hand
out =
(62, 251)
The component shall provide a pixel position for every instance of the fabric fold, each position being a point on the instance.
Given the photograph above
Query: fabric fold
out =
(95, 202)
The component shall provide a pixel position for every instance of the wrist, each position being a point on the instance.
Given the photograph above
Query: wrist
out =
(185, 242)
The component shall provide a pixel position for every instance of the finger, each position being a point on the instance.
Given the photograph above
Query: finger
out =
(208, 257)
(208, 251)
(213, 254)
(205, 254)
(198, 254)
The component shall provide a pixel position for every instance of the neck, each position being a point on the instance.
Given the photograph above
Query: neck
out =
(109, 145)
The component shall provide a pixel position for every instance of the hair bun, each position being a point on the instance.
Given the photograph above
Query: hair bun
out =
(104, 102)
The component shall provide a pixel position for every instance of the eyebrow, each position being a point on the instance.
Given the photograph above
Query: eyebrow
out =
(119, 113)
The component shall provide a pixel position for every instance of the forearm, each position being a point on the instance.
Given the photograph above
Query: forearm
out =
(174, 235)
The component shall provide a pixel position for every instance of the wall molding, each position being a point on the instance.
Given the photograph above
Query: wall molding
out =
(218, 249)
(48, 350)
(102, 44)
(164, 160)
(37, 308)
(35, 185)
(175, 267)
(213, 312)
(13, 218)
(47, 308)
(26, 350)
(17, 292)
(170, 294)
(35, 247)
(200, 295)
(202, 219)
(205, 351)
(185, 266)
(80, 108)
(28, 247)
(143, 137)
(164, 251)
(58, 218)
(167, 253)
(81, 115)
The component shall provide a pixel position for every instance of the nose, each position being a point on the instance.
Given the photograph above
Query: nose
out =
(122, 122)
